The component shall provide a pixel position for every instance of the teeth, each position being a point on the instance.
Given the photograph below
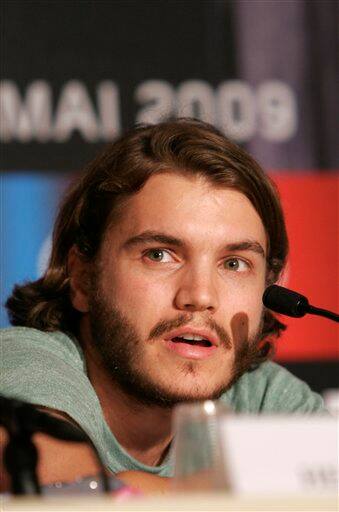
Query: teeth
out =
(194, 337)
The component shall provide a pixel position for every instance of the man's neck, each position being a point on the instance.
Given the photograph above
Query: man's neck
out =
(143, 431)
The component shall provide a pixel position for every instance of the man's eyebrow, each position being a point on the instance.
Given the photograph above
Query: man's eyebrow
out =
(246, 245)
(162, 238)
(153, 236)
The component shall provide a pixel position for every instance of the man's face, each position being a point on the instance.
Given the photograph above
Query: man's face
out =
(176, 302)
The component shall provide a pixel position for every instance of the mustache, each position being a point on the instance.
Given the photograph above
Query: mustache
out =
(165, 326)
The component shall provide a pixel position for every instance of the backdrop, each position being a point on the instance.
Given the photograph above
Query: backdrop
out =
(75, 74)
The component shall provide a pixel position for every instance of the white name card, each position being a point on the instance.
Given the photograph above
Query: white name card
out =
(280, 454)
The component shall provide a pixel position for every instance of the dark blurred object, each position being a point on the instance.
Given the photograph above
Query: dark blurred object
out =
(22, 420)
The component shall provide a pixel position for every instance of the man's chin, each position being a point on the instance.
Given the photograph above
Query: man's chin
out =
(196, 395)
(162, 393)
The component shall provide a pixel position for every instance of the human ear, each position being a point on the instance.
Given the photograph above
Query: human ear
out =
(79, 274)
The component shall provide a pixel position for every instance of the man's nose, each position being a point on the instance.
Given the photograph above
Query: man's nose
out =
(197, 291)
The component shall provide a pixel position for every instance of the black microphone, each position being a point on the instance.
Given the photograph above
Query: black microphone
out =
(290, 303)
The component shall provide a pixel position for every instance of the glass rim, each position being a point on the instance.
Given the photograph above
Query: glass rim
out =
(200, 409)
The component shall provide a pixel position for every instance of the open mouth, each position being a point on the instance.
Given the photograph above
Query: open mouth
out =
(197, 340)
(192, 345)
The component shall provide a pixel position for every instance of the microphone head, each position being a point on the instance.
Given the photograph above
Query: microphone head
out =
(285, 301)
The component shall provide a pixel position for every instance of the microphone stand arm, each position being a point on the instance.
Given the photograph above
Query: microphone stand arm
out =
(21, 458)
(323, 312)
(20, 453)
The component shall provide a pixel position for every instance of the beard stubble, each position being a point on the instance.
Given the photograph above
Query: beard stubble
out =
(120, 349)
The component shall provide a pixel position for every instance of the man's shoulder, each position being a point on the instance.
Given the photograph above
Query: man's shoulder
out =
(36, 365)
(48, 369)
(271, 388)
(31, 334)
(16, 341)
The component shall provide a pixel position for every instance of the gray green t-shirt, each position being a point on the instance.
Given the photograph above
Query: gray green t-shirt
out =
(49, 369)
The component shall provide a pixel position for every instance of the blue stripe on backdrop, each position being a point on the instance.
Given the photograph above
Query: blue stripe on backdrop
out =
(28, 208)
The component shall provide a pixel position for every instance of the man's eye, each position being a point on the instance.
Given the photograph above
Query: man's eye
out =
(236, 264)
(159, 255)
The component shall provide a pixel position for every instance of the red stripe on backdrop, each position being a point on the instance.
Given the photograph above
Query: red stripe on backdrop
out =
(311, 207)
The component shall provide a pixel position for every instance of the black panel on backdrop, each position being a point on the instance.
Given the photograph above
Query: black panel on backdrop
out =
(319, 375)
(76, 73)
(61, 57)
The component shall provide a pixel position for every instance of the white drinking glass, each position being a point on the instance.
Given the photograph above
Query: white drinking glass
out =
(199, 463)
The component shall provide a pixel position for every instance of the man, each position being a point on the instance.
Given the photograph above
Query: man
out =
(153, 295)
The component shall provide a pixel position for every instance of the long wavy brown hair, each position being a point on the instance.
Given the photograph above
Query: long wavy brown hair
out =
(122, 169)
